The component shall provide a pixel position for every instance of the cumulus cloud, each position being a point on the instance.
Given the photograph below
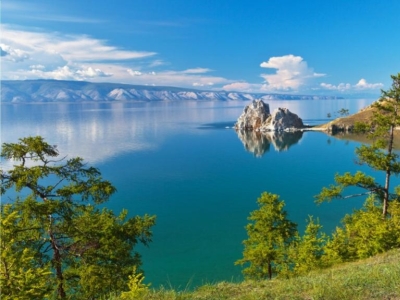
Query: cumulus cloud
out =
(13, 54)
(340, 87)
(91, 72)
(292, 72)
(362, 84)
(134, 73)
(69, 72)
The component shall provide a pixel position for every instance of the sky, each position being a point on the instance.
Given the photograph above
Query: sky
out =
(337, 47)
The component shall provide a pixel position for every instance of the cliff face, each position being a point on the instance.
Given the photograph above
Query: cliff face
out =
(24, 91)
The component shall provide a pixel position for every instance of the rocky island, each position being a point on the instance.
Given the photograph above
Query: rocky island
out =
(256, 116)
(258, 128)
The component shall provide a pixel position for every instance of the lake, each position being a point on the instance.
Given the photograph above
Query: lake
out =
(183, 162)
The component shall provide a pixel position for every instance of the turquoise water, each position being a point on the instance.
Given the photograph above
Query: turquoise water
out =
(180, 162)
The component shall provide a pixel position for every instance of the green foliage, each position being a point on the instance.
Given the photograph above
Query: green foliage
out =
(379, 156)
(307, 250)
(58, 232)
(343, 112)
(137, 289)
(364, 233)
(21, 276)
(269, 232)
(359, 179)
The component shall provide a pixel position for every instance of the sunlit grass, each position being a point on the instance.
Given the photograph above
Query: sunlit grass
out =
(374, 278)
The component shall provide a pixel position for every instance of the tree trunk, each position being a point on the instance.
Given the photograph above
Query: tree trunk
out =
(388, 172)
(269, 271)
(57, 263)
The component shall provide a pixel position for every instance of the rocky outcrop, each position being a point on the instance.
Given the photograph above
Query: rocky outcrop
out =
(256, 116)
(281, 120)
(334, 128)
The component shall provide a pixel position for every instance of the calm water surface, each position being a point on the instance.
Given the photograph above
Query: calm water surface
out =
(180, 162)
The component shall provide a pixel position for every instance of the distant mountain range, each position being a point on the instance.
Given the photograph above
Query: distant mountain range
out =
(25, 91)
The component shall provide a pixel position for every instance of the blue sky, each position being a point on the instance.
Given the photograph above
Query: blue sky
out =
(341, 47)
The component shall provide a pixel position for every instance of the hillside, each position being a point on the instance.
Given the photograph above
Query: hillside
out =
(372, 278)
(26, 91)
(363, 115)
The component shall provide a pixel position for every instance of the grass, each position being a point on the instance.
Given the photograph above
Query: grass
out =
(364, 115)
(374, 278)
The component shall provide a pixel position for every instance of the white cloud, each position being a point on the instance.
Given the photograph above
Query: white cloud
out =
(53, 55)
(90, 72)
(13, 54)
(39, 67)
(68, 72)
(362, 84)
(196, 71)
(134, 73)
(84, 49)
(178, 78)
(76, 48)
(60, 56)
(292, 73)
(340, 87)
(202, 84)
(156, 63)
(240, 86)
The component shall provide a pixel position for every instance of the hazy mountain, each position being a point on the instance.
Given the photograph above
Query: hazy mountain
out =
(19, 91)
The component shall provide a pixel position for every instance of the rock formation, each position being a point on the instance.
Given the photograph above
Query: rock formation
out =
(256, 116)
(253, 116)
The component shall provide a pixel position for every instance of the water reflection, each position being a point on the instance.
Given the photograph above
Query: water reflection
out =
(362, 138)
(259, 143)
(102, 131)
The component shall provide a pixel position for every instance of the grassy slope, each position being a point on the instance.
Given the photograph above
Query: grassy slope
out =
(374, 278)
(363, 115)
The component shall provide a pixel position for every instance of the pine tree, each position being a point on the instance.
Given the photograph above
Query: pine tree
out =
(269, 233)
(363, 233)
(379, 156)
(307, 250)
(60, 229)
(21, 274)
